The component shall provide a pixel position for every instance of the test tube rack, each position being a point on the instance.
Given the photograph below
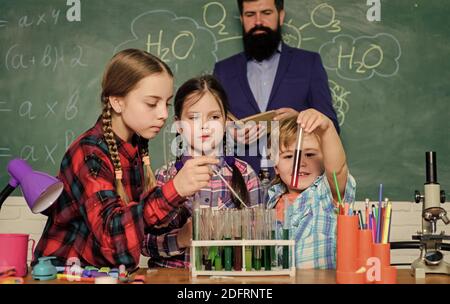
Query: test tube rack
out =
(196, 245)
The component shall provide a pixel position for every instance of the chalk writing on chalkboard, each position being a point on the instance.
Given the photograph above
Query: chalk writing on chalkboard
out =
(43, 110)
(363, 57)
(179, 43)
(53, 55)
(18, 57)
(39, 19)
(323, 17)
(3, 23)
(340, 102)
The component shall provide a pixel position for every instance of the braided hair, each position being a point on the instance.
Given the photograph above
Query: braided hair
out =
(122, 74)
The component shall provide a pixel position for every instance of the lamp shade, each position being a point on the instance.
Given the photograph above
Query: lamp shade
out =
(39, 189)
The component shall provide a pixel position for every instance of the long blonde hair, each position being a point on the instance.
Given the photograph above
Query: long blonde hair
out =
(121, 75)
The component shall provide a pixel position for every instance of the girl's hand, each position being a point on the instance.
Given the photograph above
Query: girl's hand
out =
(311, 120)
(194, 175)
(185, 234)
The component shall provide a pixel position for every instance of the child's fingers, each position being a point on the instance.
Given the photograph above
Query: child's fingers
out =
(314, 126)
(203, 170)
(203, 184)
(305, 120)
(300, 118)
(203, 178)
(204, 160)
(310, 126)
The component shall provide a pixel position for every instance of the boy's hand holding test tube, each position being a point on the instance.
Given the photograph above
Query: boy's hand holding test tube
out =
(332, 152)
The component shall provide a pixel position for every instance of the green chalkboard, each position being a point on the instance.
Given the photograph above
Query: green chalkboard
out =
(389, 78)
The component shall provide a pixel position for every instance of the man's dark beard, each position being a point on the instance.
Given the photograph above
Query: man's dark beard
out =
(261, 46)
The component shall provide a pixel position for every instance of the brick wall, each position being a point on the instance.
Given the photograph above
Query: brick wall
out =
(16, 217)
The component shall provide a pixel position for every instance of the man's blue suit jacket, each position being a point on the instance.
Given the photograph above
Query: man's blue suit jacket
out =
(300, 83)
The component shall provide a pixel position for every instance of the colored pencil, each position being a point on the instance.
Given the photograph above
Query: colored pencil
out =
(361, 223)
(386, 223)
(380, 223)
(337, 188)
(367, 213)
(374, 229)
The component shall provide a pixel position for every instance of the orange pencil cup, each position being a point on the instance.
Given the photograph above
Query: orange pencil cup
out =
(365, 249)
(388, 274)
(383, 252)
(347, 243)
(347, 251)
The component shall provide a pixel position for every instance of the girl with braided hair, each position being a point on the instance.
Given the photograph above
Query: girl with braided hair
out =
(110, 195)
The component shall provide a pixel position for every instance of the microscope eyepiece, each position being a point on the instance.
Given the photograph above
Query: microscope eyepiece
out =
(430, 158)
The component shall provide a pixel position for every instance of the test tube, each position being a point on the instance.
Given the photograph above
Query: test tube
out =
(274, 236)
(196, 234)
(258, 232)
(218, 235)
(227, 236)
(286, 227)
(267, 236)
(247, 234)
(297, 158)
(207, 235)
(237, 235)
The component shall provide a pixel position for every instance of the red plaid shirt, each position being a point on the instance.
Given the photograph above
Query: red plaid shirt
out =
(89, 221)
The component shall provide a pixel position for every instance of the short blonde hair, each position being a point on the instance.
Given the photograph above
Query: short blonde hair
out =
(287, 132)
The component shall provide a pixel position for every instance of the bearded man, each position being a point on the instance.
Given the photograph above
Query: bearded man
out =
(270, 75)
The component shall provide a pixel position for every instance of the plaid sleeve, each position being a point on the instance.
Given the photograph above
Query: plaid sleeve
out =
(164, 245)
(162, 241)
(350, 189)
(117, 228)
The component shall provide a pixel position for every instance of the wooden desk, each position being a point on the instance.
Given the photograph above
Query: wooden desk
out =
(181, 276)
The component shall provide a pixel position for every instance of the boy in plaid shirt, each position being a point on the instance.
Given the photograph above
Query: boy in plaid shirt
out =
(312, 206)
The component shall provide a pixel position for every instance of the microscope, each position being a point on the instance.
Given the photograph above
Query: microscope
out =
(431, 259)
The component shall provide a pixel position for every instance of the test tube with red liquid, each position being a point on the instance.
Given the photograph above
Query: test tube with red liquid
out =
(297, 159)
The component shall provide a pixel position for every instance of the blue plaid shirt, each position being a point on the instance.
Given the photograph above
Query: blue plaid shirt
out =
(312, 218)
